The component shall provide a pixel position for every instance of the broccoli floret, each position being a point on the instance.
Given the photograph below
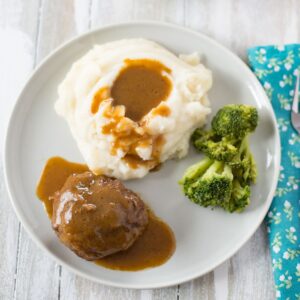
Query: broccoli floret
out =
(222, 179)
(240, 197)
(208, 183)
(204, 135)
(243, 164)
(222, 151)
(214, 146)
(235, 120)
(193, 173)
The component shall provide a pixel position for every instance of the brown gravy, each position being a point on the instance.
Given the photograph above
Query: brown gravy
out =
(153, 248)
(162, 110)
(101, 95)
(54, 175)
(140, 86)
(128, 136)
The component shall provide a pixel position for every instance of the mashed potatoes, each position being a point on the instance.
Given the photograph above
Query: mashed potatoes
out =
(132, 104)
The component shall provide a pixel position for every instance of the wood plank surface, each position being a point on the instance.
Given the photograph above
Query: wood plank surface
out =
(35, 275)
(18, 29)
(30, 30)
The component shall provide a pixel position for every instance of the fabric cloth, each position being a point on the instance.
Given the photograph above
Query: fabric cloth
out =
(276, 67)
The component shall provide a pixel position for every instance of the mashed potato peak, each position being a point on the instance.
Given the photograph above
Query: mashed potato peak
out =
(132, 104)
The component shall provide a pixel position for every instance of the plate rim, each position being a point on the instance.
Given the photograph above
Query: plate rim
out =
(166, 283)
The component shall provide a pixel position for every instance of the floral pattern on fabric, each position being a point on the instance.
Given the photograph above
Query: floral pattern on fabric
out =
(276, 68)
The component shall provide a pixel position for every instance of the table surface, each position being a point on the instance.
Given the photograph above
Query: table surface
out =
(30, 30)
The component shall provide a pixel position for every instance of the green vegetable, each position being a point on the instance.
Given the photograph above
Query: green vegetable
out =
(208, 183)
(223, 177)
(214, 146)
(193, 172)
(240, 197)
(235, 121)
(243, 164)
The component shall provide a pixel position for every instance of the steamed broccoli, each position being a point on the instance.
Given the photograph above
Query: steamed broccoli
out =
(194, 172)
(223, 177)
(240, 197)
(230, 126)
(243, 164)
(214, 146)
(235, 120)
(208, 183)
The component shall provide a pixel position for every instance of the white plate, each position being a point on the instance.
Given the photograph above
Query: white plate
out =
(205, 238)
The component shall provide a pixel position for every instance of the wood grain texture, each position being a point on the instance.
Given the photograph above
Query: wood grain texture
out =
(31, 262)
(17, 34)
(200, 288)
(32, 29)
(53, 33)
(250, 273)
(239, 25)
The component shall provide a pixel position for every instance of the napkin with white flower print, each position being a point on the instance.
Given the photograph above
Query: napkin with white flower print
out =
(276, 67)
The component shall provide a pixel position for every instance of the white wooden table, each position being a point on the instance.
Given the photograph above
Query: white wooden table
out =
(30, 30)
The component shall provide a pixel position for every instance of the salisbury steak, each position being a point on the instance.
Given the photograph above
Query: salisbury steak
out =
(96, 216)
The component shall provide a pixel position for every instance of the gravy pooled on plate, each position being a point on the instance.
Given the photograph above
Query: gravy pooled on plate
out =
(54, 175)
(155, 245)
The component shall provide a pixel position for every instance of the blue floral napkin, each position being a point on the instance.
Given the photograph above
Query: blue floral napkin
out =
(276, 67)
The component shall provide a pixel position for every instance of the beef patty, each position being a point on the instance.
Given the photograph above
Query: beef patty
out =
(96, 216)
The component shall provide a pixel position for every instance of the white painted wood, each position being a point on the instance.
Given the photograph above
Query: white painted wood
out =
(107, 12)
(37, 275)
(200, 288)
(221, 281)
(57, 25)
(29, 30)
(239, 25)
(263, 22)
(17, 35)
(250, 273)
(116, 11)
(82, 11)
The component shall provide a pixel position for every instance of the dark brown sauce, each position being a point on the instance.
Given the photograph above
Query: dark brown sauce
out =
(54, 175)
(153, 248)
(141, 86)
